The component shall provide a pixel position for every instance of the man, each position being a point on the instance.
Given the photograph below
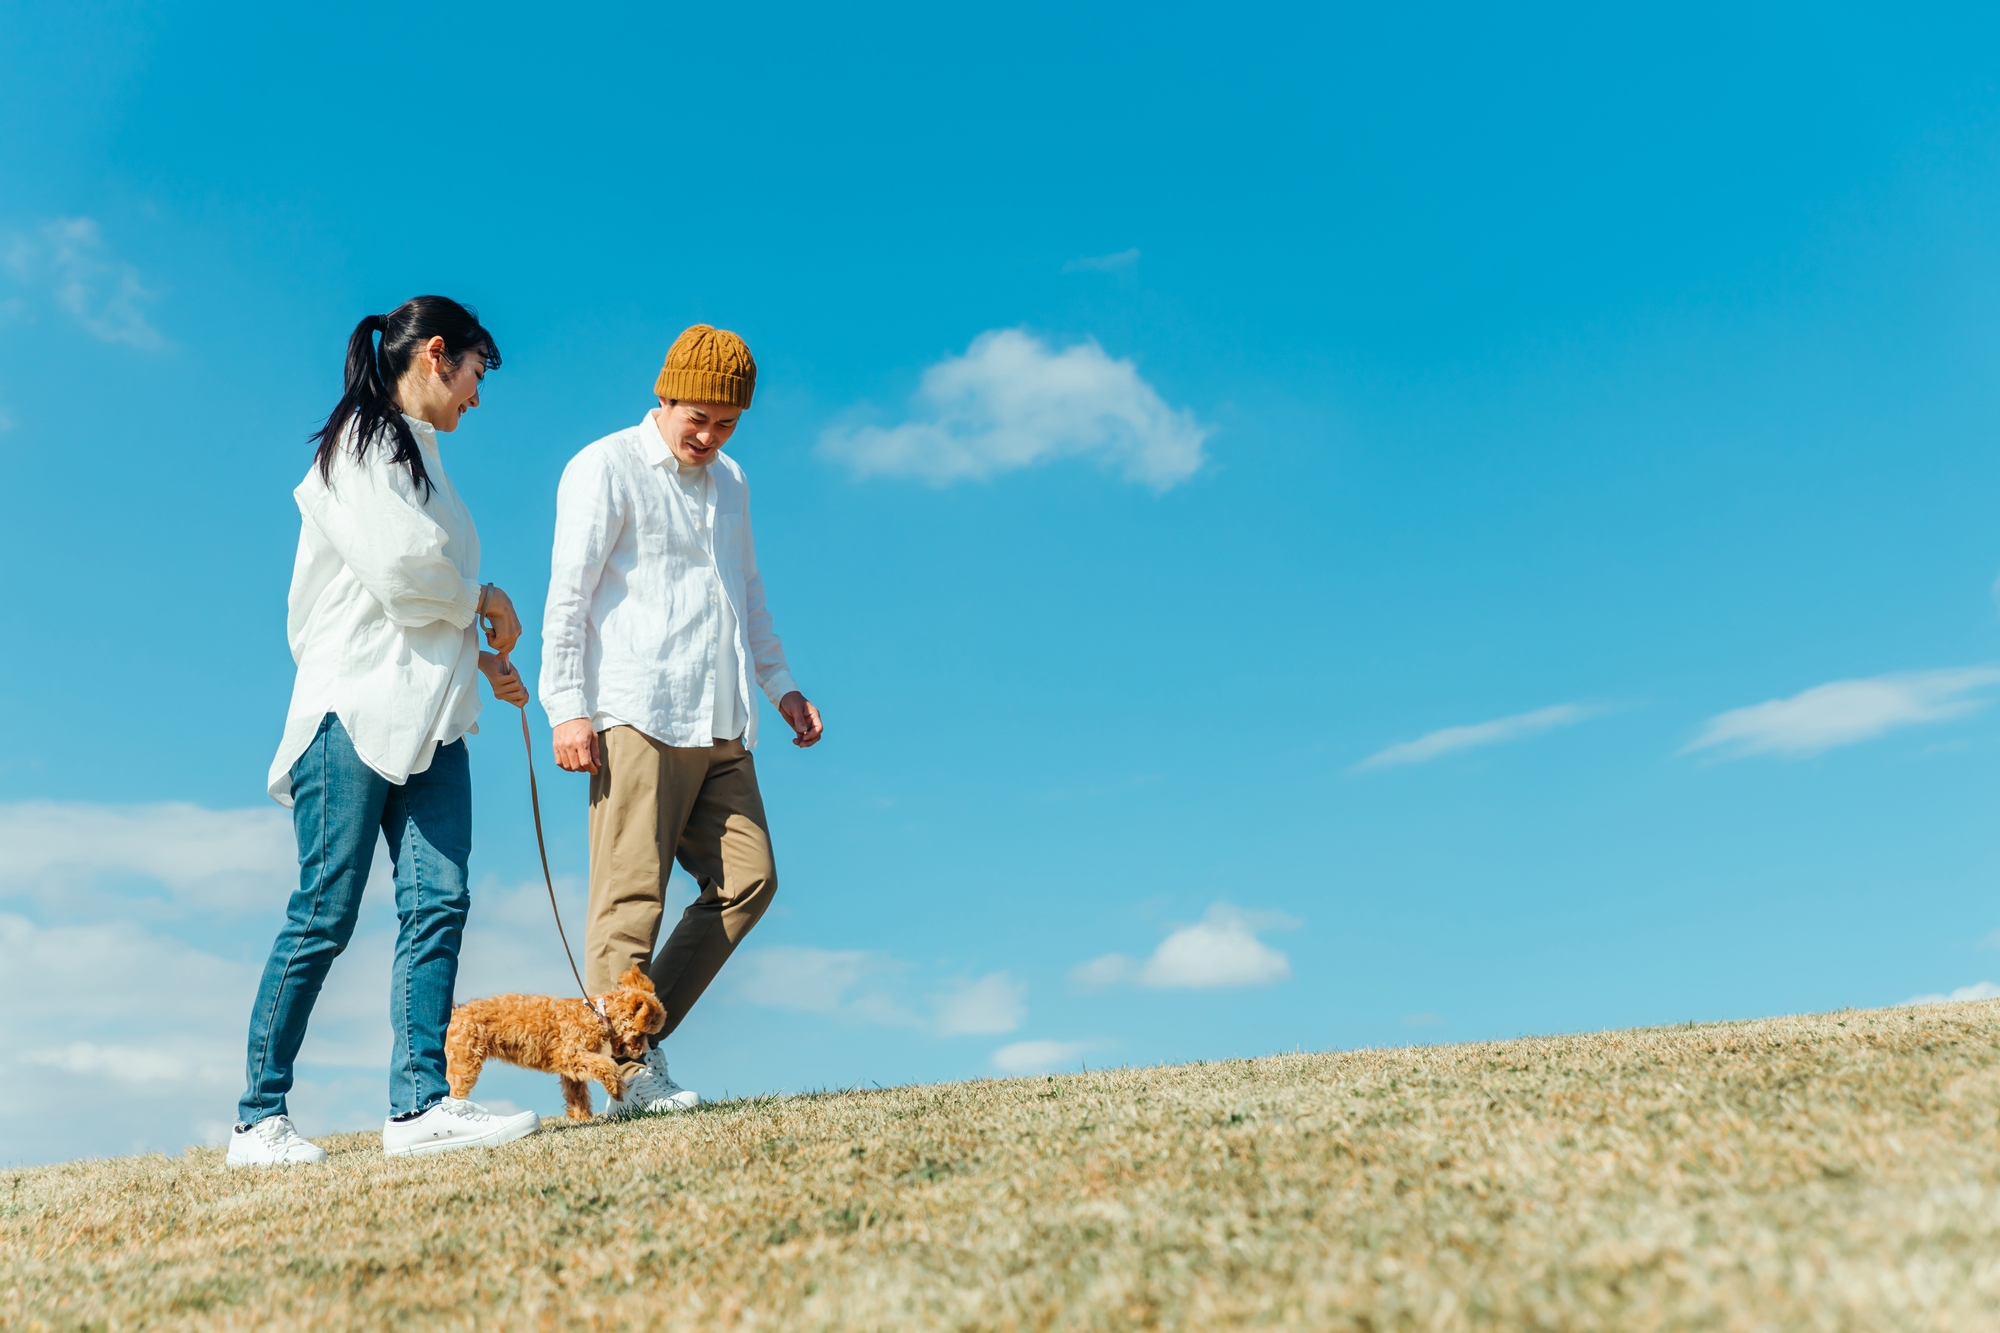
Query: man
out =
(654, 632)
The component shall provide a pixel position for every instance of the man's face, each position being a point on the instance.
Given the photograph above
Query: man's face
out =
(696, 432)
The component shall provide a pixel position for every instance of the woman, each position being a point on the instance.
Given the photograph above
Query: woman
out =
(384, 604)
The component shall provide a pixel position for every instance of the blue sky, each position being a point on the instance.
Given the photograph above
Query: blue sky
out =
(1332, 528)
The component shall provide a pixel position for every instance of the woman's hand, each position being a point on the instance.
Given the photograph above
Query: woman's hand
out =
(504, 679)
(503, 626)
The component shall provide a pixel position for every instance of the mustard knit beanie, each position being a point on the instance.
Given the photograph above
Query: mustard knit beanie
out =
(708, 365)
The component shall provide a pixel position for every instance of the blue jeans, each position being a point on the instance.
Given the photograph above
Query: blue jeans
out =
(339, 803)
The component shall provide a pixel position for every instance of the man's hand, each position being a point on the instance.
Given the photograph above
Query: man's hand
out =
(798, 711)
(576, 746)
(503, 627)
(504, 679)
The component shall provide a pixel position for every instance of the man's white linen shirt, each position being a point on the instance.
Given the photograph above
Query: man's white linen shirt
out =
(644, 582)
(384, 597)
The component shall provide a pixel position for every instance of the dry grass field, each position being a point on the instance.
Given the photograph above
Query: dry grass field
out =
(1833, 1172)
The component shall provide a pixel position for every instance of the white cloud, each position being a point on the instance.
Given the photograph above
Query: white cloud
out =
(1101, 973)
(57, 852)
(1122, 262)
(98, 992)
(137, 1039)
(1039, 1057)
(1844, 712)
(848, 984)
(994, 1003)
(1499, 730)
(67, 259)
(1220, 951)
(1978, 990)
(866, 987)
(1010, 402)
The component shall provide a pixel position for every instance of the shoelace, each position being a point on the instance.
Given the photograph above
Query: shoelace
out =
(465, 1110)
(277, 1131)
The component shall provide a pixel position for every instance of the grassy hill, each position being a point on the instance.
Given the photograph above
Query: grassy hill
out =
(1828, 1172)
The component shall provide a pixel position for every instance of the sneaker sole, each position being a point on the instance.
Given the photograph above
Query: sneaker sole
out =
(666, 1106)
(491, 1139)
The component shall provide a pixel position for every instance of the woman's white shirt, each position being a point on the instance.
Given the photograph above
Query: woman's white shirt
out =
(384, 599)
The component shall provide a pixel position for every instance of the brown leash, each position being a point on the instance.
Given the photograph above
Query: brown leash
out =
(541, 844)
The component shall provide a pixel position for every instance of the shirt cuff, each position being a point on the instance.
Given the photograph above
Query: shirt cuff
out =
(779, 684)
(466, 609)
(566, 706)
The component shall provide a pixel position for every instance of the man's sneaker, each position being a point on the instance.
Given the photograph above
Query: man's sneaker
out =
(653, 1090)
(454, 1123)
(272, 1141)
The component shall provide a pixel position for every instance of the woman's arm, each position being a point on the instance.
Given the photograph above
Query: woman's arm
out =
(375, 521)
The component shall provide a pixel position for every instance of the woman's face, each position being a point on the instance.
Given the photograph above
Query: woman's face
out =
(438, 392)
(460, 389)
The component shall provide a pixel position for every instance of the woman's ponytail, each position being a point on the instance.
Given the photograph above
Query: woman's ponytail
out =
(368, 409)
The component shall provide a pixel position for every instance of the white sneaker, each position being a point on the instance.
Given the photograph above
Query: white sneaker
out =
(653, 1090)
(453, 1123)
(272, 1141)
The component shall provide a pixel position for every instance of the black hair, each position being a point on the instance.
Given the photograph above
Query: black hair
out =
(369, 401)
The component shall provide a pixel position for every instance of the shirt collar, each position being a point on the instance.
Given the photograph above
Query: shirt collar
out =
(425, 432)
(654, 445)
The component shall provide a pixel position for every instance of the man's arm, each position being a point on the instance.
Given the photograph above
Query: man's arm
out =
(767, 654)
(588, 523)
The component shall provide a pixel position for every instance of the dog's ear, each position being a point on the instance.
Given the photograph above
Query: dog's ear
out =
(656, 1016)
(636, 979)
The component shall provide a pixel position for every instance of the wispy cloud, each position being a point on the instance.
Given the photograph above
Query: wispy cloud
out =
(1122, 262)
(1221, 951)
(866, 987)
(1844, 712)
(1040, 1057)
(1978, 990)
(994, 1003)
(1500, 730)
(854, 985)
(1012, 402)
(58, 852)
(68, 261)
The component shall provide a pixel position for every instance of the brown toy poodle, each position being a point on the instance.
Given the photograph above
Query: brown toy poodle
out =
(580, 1040)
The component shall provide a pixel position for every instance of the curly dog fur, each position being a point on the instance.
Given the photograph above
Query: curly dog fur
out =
(563, 1037)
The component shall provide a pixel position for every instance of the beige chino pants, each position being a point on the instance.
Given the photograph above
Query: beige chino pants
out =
(650, 805)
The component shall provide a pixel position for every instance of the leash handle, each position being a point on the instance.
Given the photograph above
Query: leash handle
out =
(541, 845)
